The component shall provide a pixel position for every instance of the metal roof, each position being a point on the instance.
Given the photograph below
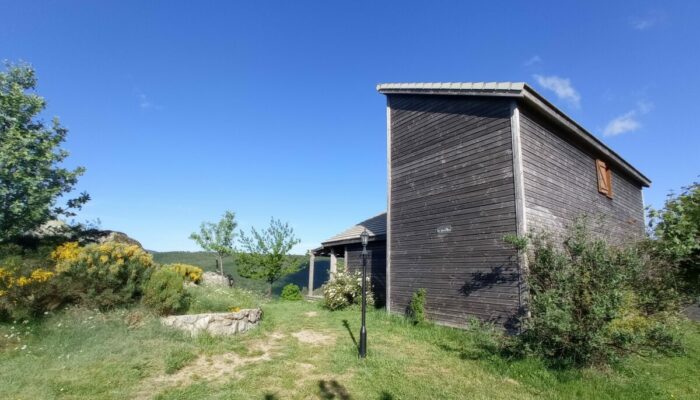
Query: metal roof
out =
(519, 90)
(376, 227)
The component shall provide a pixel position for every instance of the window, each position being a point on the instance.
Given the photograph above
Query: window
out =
(604, 178)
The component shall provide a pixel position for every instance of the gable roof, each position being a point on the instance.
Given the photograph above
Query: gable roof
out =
(517, 90)
(376, 227)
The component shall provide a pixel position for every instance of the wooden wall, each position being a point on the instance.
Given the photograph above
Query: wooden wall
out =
(376, 266)
(561, 184)
(451, 165)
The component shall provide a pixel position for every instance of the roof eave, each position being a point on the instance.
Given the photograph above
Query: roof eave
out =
(542, 104)
(373, 238)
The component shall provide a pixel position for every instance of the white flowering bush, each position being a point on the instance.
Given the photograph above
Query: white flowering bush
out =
(345, 289)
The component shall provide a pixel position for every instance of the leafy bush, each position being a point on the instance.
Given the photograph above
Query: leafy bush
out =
(291, 292)
(165, 292)
(103, 275)
(584, 302)
(417, 307)
(345, 289)
(190, 273)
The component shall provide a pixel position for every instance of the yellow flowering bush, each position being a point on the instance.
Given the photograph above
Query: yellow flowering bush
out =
(25, 294)
(66, 252)
(188, 272)
(103, 275)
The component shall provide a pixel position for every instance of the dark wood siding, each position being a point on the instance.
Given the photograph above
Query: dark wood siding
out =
(561, 184)
(376, 266)
(452, 165)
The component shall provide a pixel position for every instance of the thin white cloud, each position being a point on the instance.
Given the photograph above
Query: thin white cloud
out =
(145, 102)
(532, 61)
(648, 21)
(644, 106)
(561, 87)
(629, 121)
(622, 124)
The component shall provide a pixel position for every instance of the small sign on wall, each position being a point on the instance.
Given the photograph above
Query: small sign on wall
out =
(444, 229)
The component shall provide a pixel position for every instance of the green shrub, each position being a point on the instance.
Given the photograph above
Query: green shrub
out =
(291, 292)
(190, 273)
(165, 292)
(103, 275)
(584, 302)
(345, 289)
(417, 307)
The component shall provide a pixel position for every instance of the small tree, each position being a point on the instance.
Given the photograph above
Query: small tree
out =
(218, 237)
(265, 254)
(31, 178)
(676, 230)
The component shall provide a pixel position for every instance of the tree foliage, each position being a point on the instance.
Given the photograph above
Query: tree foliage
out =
(265, 254)
(31, 177)
(218, 237)
(676, 237)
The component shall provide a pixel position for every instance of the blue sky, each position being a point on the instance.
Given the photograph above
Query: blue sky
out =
(182, 110)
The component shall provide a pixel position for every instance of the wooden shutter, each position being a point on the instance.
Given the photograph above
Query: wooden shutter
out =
(604, 178)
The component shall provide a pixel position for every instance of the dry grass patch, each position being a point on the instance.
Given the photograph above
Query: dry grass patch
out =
(313, 337)
(212, 368)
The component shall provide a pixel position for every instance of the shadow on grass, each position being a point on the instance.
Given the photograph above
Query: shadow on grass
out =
(346, 324)
(332, 390)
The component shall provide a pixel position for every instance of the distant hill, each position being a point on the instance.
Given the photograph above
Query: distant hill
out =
(207, 261)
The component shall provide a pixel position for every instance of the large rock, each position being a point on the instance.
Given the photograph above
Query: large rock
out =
(218, 324)
(118, 237)
(214, 279)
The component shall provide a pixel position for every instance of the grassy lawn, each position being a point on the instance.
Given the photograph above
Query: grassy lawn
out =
(302, 351)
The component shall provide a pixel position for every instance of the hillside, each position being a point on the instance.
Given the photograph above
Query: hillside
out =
(207, 261)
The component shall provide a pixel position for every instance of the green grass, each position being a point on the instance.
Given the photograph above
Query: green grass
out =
(207, 262)
(215, 299)
(85, 354)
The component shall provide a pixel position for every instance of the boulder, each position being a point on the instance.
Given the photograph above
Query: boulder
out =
(218, 324)
(214, 279)
(118, 237)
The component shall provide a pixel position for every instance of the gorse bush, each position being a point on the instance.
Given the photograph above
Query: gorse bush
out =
(345, 289)
(417, 307)
(103, 275)
(190, 273)
(584, 301)
(25, 294)
(291, 292)
(165, 292)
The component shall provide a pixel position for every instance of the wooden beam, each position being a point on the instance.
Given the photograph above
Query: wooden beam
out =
(312, 259)
(334, 264)
(520, 210)
(388, 204)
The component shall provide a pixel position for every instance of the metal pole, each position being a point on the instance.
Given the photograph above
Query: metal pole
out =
(363, 330)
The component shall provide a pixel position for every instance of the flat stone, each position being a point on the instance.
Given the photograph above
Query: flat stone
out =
(215, 323)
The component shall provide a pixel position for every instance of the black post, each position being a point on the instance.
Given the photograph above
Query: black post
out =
(363, 330)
